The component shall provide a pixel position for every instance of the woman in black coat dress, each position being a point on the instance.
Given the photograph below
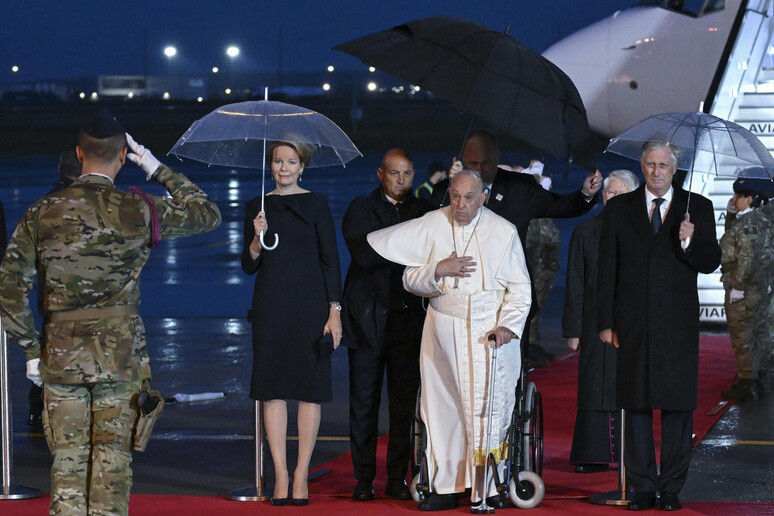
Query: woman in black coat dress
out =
(295, 304)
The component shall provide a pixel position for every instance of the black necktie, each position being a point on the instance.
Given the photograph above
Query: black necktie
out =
(655, 218)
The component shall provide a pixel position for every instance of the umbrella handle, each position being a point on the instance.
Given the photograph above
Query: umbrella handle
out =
(263, 244)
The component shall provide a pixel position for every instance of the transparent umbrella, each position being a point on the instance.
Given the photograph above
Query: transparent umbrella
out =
(708, 144)
(235, 135)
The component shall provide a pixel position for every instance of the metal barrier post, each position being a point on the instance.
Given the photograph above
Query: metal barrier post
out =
(621, 495)
(10, 491)
(254, 493)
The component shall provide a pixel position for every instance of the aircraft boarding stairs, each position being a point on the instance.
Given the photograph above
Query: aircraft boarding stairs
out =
(755, 112)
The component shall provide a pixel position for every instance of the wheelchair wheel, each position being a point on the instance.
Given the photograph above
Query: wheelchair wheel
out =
(528, 492)
(533, 431)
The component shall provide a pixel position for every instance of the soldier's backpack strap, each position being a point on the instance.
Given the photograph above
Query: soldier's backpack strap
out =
(154, 214)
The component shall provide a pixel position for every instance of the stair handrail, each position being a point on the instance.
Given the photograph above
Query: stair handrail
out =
(746, 58)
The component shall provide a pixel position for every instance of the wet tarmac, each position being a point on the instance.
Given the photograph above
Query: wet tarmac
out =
(194, 301)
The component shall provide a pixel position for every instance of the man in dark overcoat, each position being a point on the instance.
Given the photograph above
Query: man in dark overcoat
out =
(597, 424)
(648, 307)
(383, 324)
(519, 199)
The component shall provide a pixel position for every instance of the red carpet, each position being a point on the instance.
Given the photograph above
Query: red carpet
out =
(323, 505)
(565, 490)
(558, 382)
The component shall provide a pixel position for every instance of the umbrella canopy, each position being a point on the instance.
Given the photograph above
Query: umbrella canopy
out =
(234, 135)
(709, 145)
(488, 75)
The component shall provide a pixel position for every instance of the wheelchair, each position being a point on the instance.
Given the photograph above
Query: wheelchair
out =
(524, 462)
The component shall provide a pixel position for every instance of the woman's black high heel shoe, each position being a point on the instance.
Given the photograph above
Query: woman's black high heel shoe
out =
(280, 502)
(299, 502)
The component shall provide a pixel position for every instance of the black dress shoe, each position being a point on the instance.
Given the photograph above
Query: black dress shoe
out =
(642, 501)
(500, 501)
(669, 502)
(591, 468)
(398, 490)
(439, 502)
(364, 491)
(300, 501)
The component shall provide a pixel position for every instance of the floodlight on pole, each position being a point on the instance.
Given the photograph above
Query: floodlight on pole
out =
(232, 52)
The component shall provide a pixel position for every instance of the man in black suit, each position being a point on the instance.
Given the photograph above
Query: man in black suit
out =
(648, 307)
(519, 198)
(383, 323)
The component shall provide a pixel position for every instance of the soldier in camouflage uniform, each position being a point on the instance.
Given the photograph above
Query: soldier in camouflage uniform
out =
(92, 241)
(744, 284)
(761, 277)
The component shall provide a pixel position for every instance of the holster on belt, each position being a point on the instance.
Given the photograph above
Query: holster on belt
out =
(150, 405)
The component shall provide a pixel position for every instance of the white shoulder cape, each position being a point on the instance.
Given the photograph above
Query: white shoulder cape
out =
(428, 239)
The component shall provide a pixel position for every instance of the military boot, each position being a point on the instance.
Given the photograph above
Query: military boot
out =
(743, 390)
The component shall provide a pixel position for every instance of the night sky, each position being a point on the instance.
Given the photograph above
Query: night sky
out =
(52, 39)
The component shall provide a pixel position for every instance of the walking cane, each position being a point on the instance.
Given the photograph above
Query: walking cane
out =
(483, 507)
(9, 491)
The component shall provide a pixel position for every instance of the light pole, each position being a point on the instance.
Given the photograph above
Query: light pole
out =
(232, 52)
(170, 52)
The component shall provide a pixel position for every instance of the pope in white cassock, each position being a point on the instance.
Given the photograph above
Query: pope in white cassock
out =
(470, 263)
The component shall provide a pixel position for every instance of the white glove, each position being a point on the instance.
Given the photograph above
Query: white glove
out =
(33, 372)
(142, 157)
(735, 295)
(456, 167)
(730, 206)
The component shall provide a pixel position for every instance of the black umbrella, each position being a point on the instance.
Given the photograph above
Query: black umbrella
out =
(488, 75)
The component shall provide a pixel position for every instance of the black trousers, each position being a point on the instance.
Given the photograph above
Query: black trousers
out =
(640, 451)
(400, 358)
(35, 397)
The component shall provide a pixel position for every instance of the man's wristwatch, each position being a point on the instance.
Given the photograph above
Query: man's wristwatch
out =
(335, 305)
